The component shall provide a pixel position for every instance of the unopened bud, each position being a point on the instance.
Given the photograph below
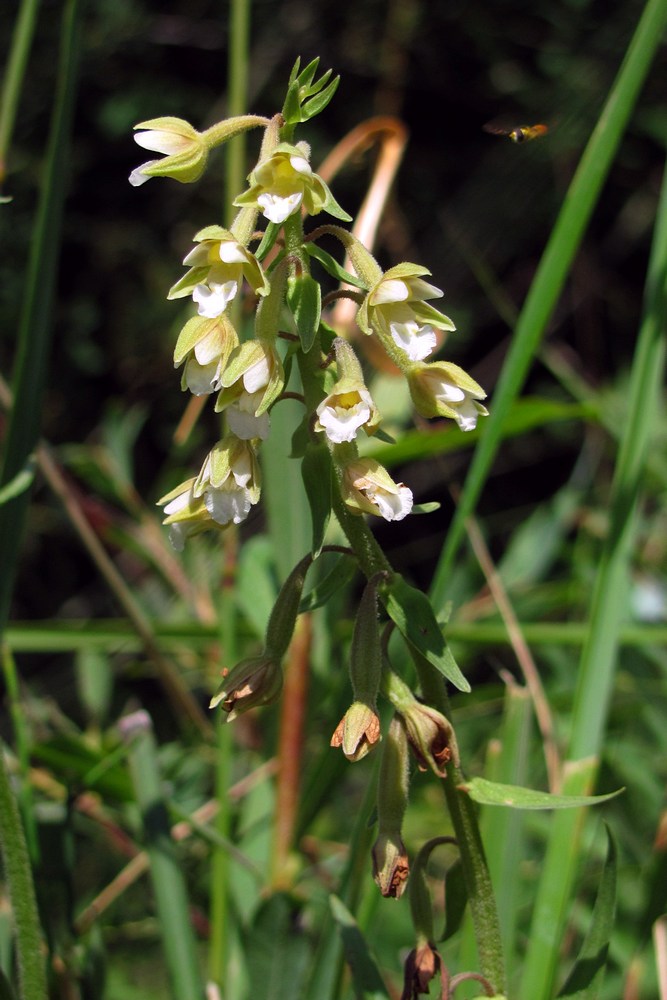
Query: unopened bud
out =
(254, 681)
(283, 616)
(390, 859)
(421, 967)
(357, 732)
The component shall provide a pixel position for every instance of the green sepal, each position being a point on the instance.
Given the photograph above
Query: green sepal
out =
(411, 611)
(185, 285)
(331, 265)
(429, 314)
(304, 299)
(492, 793)
(317, 472)
(405, 270)
(381, 435)
(213, 233)
(425, 508)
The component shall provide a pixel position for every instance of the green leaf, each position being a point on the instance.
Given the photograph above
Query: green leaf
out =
(365, 974)
(318, 479)
(331, 266)
(339, 577)
(456, 899)
(304, 298)
(585, 979)
(411, 611)
(6, 991)
(492, 793)
(319, 103)
(278, 952)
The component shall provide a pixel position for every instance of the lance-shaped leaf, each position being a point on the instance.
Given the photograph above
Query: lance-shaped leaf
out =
(492, 793)
(411, 611)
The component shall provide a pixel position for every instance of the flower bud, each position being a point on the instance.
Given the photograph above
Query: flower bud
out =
(390, 859)
(442, 389)
(185, 149)
(421, 967)
(357, 732)
(397, 311)
(204, 345)
(349, 405)
(186, 514)
(284, 182)
(430, 735)
(254, 681)
(367, 488)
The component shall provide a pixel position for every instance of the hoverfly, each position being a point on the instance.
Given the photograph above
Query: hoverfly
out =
(520, 133)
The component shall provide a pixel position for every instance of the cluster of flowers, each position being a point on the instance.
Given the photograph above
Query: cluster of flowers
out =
(249, 377)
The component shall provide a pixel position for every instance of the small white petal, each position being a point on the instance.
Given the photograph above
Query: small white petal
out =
(392, 506)
(257, 376)
(417, 341)
(212, 302)
(177, 536)
(242, 469)
(391, 290)
(276, 208)
(232, 253)
(247, 426)
(448, 392)
(138, 177)
(227, 505)
(178, 504)
(201, 379)
(466, 415)
(300, 164)
(161, 142)
(341, 424)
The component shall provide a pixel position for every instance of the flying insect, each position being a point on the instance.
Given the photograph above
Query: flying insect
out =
(520, 133)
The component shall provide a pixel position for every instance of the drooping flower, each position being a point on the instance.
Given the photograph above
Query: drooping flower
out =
(185, 151)
(205, 346)
(217, 267)
(185, 514)
(284, 182)
(253, 378)
(442, 389)
(229, 481)
(397, 307)
(346, 409)
(368, 488)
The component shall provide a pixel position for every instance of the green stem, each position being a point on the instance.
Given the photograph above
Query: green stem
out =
(479, 889)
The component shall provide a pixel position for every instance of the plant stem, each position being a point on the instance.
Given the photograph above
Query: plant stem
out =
(18, 58)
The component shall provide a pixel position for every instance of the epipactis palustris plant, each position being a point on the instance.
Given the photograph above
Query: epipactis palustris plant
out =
(248, 377)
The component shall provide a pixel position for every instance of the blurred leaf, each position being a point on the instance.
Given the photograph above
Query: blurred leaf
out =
(21, 481)
(278, 951)
(318, 479)
(366, 977)
(492, 793)
(256, 585)
(585, 979)
(94, 679)
(344, 571)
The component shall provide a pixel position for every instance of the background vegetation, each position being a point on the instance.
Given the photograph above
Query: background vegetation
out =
(477, 210)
